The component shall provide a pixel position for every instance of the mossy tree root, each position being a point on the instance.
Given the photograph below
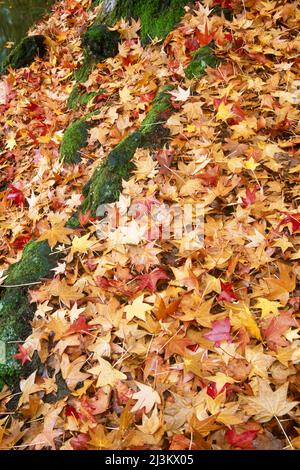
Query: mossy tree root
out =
(158, 18)
(15, 309)
(75, 139)
(202, 58)
(24, 53)
(106, 182)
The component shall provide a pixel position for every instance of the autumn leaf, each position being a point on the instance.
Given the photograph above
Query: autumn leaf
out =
(146, 398)
(150, 280)
(58, 233)
(106, 373)
(22, 355)
(71, 371)
(220, 331)
(137, 309)
(268, 403)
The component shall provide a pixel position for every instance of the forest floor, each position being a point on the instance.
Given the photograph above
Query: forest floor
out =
(161, 346)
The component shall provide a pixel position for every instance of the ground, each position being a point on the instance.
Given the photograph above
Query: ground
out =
(148, 340)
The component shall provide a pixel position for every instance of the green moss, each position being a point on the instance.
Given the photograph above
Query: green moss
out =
(100, 42)
(15, 309)
(79, 98)
(202, 58)
(24, 53)
(158, 17)
(74, 139)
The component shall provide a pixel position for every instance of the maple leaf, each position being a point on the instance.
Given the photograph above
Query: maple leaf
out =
(22, 355)
(21, 241)
(79, 326)
(243, 440)
(28, 386)
(241, 316)
(150, 424)
(278, 288)
(85, 218)
(227, 293)
(15, 194)
(275, 328)
(220, 331)
(150, 280)
(293, 219)
(107, 374)
(46, 438)
(211, 175)
(269, 404)
(146, 398)
(66, 293)
(224, 112)
(81, 244)
(80, 442)
(180, 94)
(98, 438)
(164, 310)
(267, 307)
(250, 197)
(137, 309)
(204, 38)
(71, 371)
(57, 233)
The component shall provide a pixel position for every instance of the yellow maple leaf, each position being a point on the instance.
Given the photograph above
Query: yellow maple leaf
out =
(57, 233)
(267, 307)
(220, 380)
(137, 309)
(240, 315)
(251, 164)
(81, 244)
(107, 374)
(224, 112)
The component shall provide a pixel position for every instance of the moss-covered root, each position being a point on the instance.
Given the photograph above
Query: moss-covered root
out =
(15, 309)
(106, 182)
(74, 139)
(24, 53)
(100, 42)
(203, 57)
(158, 17)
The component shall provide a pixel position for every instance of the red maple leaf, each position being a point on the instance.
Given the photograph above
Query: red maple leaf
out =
(275, 327)
(227, 293)
(150, 280)
(15, 195)
(84, 219)
(211, 176)
(220, 331)
(212, 389)
(294, 219)
(243, 440)
(204, 38)
(80, 442)
(192, 44)
(22, 355)
(79, 326)
(21, 241)
(71, 411)
(250, 197)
